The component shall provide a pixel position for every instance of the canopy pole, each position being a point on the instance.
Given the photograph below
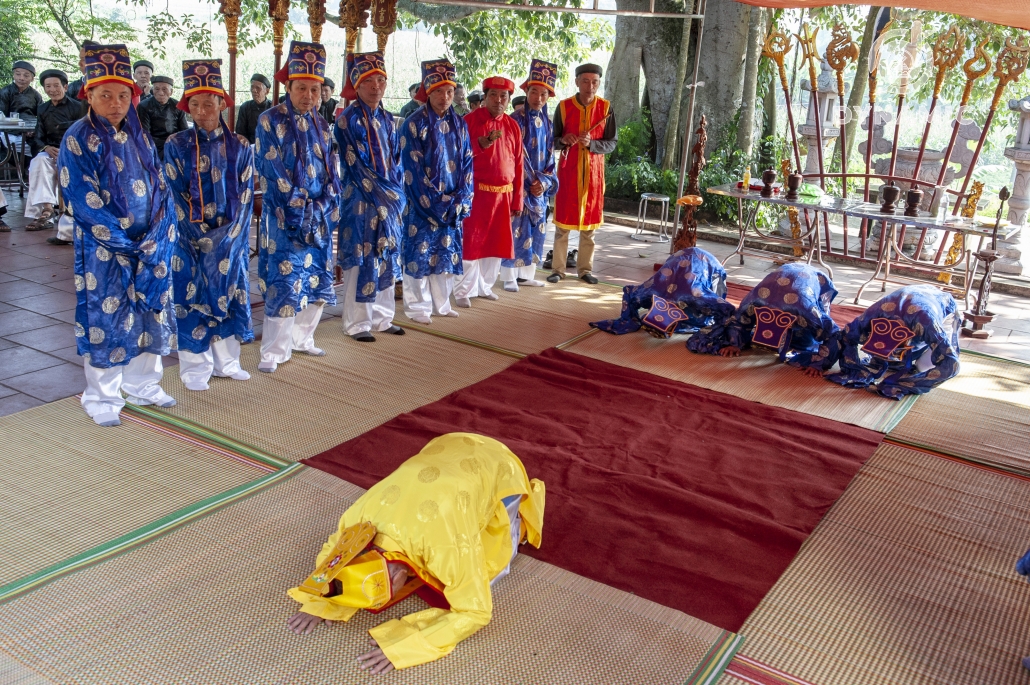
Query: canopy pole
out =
(688, 125)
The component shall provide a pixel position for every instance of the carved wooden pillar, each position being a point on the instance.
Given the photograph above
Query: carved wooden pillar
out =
(384, 21)
(230, 9)
(316, 18)
(353, 18)
(279, 11)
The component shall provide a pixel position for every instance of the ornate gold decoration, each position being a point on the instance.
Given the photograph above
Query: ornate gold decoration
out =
(777, 45)
(973, 72)
(1009, 66)
(230, 9)
(353, 18)
(384, 21)
(351, 543)
(841, 51)
(279, 11)
(687, 235)
(784, 169)
(958, 243)
(795, 230)
(947, 51)
(809, 52)
(316, 18)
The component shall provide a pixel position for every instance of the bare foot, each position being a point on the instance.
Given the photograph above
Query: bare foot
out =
(374, 662)
(730, 351)
(811, 372)
(302, 623)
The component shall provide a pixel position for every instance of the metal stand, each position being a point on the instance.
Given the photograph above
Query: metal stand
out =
(663, 227)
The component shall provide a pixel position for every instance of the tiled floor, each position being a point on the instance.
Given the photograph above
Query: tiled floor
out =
(39, 363)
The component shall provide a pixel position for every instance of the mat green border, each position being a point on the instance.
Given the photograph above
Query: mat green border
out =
(147, 533)
(465, 341)
(1005, 360)
(717, 659)
(202, 432)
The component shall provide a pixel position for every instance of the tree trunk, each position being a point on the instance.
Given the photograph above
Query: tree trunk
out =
(749, 93)
(722, 66)
(858, 87)
(770, 123)
(668, 150)
(622, 78)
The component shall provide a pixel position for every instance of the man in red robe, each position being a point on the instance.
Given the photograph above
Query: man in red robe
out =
(584, 132)
(497, 171)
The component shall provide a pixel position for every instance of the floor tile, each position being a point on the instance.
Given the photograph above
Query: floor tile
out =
(20, 289)
(48, 273)
(5, 277)
(20, 262)
(4, 307)
(18, 402)
(67, 316)
(21, 320)
(5, 391)
(54, 253)
(20, 360)
(50, 384)
(46, 339)
(48, 303)
(68, 354)
(6, 344)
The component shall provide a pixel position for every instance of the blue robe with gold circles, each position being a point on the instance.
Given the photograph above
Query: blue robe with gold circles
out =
(300, 209)
(932, 317)
(372, 199)
(212, 179)
(692, 278)
(796, 289)
(124, 238)
(529, 229)
(437, 160)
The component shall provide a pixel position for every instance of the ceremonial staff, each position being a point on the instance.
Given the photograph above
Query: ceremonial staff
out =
(777, 45)
(841, 52)
(810, 54)
(979, 317)
(906, 69)
(947, 51)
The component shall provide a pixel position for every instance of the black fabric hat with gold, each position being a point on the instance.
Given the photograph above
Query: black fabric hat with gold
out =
(51, 73)
(589, 69)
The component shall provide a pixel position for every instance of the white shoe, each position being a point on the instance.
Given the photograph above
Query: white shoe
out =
(511, 286)
(463, 302)
(107, 419)
(421, 318)
(240, 375)
(490, 295)
(197, 386)
(451, 313)
(164, 400)
(267, 367)
(313, 351)
(533, 283)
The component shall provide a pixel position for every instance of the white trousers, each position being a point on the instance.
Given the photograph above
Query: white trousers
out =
(429, 295)
(42, 185)
(365, 317)
(222, 358)
(479, 277)
(140, 379)
(281, 335)
(66, 228)
(510, 273)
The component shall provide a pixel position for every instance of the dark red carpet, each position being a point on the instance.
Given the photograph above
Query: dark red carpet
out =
(691, 498)
(843, 314)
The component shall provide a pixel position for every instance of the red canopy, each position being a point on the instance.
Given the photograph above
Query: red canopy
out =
(1014, 13)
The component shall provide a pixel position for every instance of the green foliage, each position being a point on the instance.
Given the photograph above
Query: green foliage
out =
(628, 181)
(500, 42)
(727, 165)
(14, 31)
(634, 140)
(70, 22)
(163, 25)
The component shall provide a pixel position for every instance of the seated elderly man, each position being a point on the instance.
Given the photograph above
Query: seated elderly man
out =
(53, 119)
(445, 525)
(789, 311)
(905, 344)
(692, 279)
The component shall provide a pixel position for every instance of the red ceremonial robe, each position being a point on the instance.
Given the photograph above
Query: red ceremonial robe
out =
(497, 172)
(579, 204)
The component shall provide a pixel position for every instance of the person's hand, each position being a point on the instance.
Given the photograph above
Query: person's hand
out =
(302, 623)
(812, 372)
(730, 351)
(569, 139)
(536, 188)
(584, 140)
(52, 151)
(485, 141)
(375, 662)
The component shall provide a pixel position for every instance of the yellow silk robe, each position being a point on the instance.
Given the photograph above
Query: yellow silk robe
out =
(442, 510)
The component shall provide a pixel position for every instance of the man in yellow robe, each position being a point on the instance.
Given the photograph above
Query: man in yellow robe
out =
(446, 524)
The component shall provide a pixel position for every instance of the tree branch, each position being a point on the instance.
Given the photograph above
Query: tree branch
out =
(48, 58)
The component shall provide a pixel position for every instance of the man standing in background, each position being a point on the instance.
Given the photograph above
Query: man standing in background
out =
(160, 114)
(247, 117)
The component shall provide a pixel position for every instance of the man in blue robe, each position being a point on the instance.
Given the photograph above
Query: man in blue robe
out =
(301, 210)
(437, 160)
(211, 173)
(540, 178)
(373, 202)
(789, 312)
(692, 279)
(905, 344)
(125, 233)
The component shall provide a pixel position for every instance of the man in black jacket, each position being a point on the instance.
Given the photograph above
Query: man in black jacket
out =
(21, 99)
(75, 87)
(158, 114)
(328, 107)
(247, 117)
(53, 118)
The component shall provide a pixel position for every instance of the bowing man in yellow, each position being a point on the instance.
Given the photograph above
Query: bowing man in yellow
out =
(445, 525)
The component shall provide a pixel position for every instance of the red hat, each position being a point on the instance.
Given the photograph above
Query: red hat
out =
(500, 83)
